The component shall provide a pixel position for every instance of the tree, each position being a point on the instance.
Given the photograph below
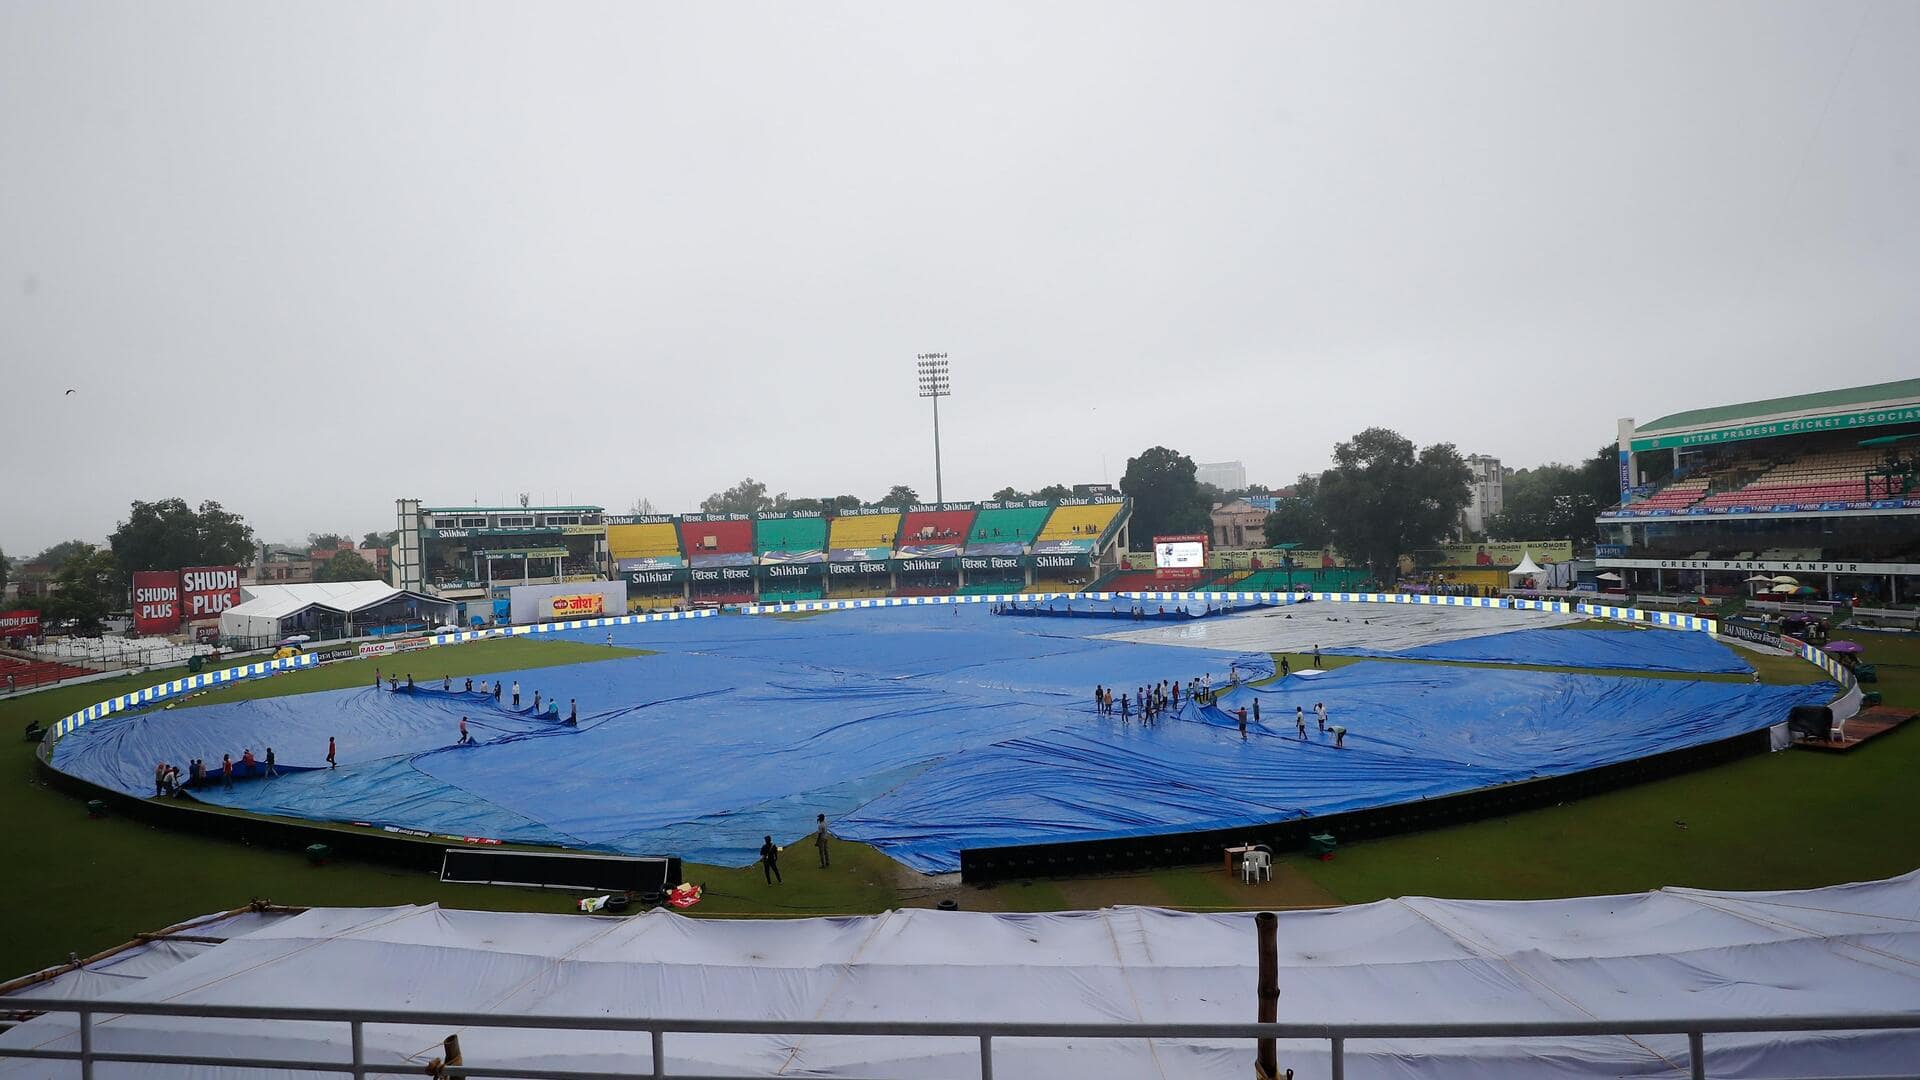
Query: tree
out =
(1298, 520)
(840, 504)
(1167, 500)
(327, 542)
(57, 555)
(346, 565)
(1558, 502)
(749, 496)
(5, 568)
(1383, 497)
(87, 586)
(1007, 494)
(1052, 493)
(897, 495)
(168, 535)
(642, 507)
(380, 539)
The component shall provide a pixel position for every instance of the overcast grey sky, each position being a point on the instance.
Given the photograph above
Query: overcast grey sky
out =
(305, 259)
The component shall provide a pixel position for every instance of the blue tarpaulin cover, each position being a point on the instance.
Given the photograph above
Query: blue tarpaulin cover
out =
(923, 730)
(1619, 650)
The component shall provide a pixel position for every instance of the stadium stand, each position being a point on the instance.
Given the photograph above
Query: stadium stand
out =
(1015, 525)
(1079, 522)
(1829, 476)
(788, 595)
(790, 535)
(935, 528)
(709, 539)
(30, 673)
(659, 541)
(869, 531)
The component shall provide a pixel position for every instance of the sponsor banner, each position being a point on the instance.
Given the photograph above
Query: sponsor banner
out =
(1626, 476)
(390, 646)
(156, 602)
(668, 575)
(864, 568)
(329, 656)
(1610, 551)
(872, 511)
(860, 554)
(991, 564)
(816, 556)
(929, 551)
(1063, 547)
(576, 606)
(582, 530)
(1771, 566)
(523, 553)
(996, 549)
(1543, 551)
(651, 562)
(789, 571)
(1755, 634)
(19, 624)
(925, 565)
(1015, 504)
(1906, 414)
(728, 558)
(1093, 500)
(1061, 561)
(636, 519)
(788, 515)
(701, 519)
(709, 575)
(206, 591)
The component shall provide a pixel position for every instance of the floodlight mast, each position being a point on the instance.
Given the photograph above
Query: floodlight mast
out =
(932, 367)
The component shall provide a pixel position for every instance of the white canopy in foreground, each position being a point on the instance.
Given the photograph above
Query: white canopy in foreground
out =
(1674, 953)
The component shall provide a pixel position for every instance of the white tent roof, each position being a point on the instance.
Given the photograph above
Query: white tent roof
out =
(1527, 565)
(280, 601)
(1673, 953)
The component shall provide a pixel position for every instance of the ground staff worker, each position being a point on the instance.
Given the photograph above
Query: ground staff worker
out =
(820, 833)
(770, 861)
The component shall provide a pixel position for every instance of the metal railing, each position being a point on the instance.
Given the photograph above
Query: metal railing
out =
(1336, 1036)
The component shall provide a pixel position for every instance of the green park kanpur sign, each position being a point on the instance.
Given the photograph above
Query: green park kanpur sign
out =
(1838, 422)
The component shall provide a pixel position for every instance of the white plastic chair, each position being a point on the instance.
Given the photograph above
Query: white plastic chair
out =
(1254, 864)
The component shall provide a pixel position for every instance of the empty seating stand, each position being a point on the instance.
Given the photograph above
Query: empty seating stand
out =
(712, 538)
(31, 673)
(867, 531)
(1079, 522)
(791, 535)
(1010, 525)
(661, 541)
(935, 528)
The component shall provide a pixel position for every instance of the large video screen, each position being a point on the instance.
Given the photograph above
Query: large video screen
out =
(1179, 553)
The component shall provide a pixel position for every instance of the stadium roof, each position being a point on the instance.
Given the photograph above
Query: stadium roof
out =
(345, 597)
(1662, 955)
(512, 509)
(1858, 406)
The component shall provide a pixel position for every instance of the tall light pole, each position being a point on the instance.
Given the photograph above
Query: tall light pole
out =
(934, 384)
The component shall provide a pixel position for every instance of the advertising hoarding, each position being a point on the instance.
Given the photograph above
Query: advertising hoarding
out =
(206, 591)
(576, 606)
(156, 602)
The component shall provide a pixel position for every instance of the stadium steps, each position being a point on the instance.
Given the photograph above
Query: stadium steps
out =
(1013, 525)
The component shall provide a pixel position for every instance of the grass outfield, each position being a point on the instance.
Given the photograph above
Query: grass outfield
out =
(1784, 820)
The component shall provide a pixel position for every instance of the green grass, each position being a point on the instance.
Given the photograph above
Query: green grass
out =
(1783, 820)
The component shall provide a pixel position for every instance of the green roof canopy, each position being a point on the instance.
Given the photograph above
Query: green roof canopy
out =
(1829, 410)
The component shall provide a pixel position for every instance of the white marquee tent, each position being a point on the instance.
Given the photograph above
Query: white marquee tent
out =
(268, 611)
(1674, 953)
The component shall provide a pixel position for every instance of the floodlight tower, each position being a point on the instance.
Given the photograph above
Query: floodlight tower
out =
(934, 384)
